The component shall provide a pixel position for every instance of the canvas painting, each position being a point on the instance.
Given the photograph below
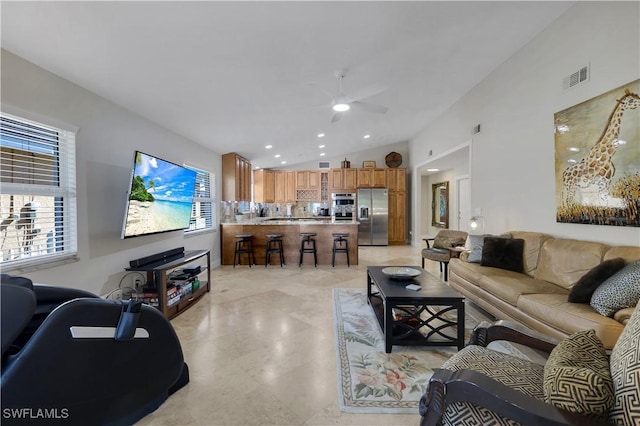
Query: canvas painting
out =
(597, 145)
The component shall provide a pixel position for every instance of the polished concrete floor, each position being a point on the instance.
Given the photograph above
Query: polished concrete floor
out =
(261, 348)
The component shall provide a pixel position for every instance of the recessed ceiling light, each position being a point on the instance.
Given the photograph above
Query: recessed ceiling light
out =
(340, 107)
(321, 135)
(322, 154)
(366, 136)
(433, 170)
(320, 146)
(277, 156)
(574, 149)
(283, 162)
(269, 146)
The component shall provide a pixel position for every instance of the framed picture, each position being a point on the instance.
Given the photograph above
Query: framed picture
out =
(368, 164)
(597, 144)
(440, 205)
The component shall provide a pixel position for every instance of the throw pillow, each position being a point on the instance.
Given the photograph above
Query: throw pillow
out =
(577, 377)
(621, 290)
(583, 289)
(625, 371)
(503, 253)
(474, 245)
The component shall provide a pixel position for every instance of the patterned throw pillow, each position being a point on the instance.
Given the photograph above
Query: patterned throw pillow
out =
(625, 371)
(621, 290)
(577, 376)
(583, 289)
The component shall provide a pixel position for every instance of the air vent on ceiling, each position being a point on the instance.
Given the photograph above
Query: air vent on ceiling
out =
(324, 164)
(579, 77)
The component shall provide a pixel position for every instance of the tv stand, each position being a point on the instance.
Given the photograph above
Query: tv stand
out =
(171, 290)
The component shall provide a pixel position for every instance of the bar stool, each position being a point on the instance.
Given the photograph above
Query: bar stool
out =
(340, 245)
(308, 245)
(244, 244)
(274, 245)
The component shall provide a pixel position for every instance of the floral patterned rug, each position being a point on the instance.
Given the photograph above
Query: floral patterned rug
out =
(370, 380)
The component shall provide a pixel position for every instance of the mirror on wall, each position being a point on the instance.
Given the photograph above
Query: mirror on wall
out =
(440, 205)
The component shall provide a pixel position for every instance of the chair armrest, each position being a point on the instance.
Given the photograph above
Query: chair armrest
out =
(447, 387)
(426, 240)
(485, 333)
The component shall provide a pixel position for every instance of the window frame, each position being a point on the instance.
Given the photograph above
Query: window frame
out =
(62, 189)
(208, 180)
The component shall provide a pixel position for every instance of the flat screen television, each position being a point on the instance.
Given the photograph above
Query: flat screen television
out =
(160, 197)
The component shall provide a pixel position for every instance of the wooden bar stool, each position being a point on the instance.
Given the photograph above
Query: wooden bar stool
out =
(244, 245)
(274, 245)
(308, 245)
(340, 245)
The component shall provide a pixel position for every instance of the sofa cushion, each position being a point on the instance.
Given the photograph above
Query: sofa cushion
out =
(619, 291)
(583, 289)
(509, 285)
(533, 242)
(503, 253)
(625, 371)
(564, 261)
(469, 271)
(577, 376)
(555, 311)
(628, 253)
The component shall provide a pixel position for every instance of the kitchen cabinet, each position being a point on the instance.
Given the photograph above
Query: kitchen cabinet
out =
(397, 184)
(372, 178)
(285, 186)
(264, 186)
(236, 178)
(343, 180)
(307, 179)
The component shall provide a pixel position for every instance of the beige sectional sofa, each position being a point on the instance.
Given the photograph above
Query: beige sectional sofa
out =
(537, 297)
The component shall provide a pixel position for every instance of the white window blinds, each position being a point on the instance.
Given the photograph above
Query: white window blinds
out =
(202, 210)
(37, 193)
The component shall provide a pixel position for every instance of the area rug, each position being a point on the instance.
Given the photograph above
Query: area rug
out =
(372, 381)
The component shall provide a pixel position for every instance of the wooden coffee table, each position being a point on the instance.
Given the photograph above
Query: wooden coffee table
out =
(431, 316)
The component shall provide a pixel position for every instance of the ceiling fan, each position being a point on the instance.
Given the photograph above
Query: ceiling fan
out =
(343, 103)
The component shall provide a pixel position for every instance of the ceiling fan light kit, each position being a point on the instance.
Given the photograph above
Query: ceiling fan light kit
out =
(341, 107)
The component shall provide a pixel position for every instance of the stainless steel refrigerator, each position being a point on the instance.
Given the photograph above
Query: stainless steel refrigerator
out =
(373, 215)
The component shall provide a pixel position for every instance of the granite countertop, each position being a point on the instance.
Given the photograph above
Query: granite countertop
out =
(292, 221)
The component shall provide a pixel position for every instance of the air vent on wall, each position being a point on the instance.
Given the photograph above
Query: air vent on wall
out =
(324, 164)
(579, 77)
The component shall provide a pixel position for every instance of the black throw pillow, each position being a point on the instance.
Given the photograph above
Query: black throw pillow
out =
(583, 288)
(503, 253)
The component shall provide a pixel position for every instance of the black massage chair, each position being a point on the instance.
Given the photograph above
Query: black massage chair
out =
(72, 358)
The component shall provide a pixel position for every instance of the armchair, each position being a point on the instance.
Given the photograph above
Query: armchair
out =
(443, 241)
(87, 361)
(578, 385)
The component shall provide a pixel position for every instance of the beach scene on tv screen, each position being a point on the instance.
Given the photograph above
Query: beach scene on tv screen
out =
(161, 196)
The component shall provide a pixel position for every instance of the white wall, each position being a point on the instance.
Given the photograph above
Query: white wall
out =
(512, 158)
(108, 136)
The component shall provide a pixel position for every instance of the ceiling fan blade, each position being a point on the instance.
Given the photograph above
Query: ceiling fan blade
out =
(337, 116)
(379, 109)
(367, 92)
(321, 88)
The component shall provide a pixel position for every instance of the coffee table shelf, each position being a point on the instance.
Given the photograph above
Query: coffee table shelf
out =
(426, 315)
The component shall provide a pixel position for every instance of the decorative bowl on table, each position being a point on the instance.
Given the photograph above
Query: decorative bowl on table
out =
(400, 272)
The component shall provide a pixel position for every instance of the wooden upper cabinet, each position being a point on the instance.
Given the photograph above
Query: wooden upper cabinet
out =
(379, 178)
(290, 182)
(365, 178)
(343, 180)
(307, 179)
(280, 179)
(236, 178)
(264, 186)
(396, 179)
(349, 179)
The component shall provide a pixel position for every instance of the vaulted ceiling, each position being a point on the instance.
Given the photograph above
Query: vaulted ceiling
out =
(237, 76)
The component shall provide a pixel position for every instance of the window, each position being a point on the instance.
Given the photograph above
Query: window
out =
(202, 211)
(37, 194)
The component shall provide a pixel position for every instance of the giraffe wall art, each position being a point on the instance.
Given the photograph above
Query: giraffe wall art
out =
(597, 146)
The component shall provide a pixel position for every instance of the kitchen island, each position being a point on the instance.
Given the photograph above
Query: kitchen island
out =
(290, 230)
